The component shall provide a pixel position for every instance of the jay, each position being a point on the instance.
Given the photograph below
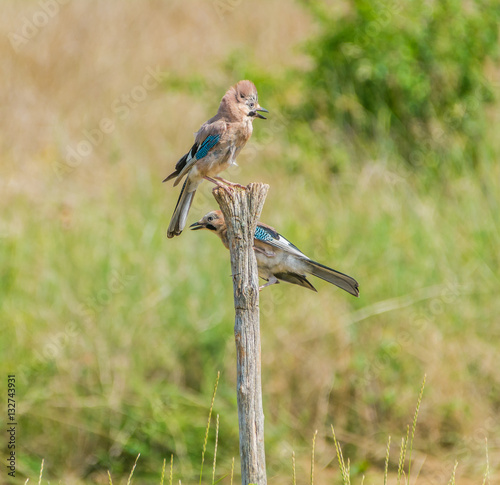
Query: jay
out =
(217, 144)
(277, 258)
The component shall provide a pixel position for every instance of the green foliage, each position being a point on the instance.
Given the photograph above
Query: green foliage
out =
(406, 74)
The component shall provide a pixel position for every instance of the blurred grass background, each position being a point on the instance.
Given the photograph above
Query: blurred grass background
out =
(381, 150)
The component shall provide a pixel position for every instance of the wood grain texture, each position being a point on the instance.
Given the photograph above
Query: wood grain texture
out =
(242, 209)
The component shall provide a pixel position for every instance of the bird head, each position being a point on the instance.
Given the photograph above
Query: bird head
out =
(213, 221)
(242, 101)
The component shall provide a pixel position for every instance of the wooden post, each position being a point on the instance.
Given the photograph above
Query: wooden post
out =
(241, 209)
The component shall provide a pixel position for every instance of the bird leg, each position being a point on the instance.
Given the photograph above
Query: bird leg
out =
(214, 181)
(272, 281)
(228, 182)
(220, 184)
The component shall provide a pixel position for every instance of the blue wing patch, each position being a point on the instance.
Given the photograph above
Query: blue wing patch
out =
(209, 142)
(269, 235)
(262, 235)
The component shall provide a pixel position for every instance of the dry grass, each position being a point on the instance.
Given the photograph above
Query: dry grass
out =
(116, 334)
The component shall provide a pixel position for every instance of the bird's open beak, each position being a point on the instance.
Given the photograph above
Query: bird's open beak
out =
(258, 115)
(197, 225)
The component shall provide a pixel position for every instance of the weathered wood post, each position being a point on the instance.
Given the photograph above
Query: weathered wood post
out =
(241, 209)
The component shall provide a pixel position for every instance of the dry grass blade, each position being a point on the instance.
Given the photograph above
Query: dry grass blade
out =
(215, 450)
(402, 457)
(208, 426)
(294, 481)
(109, 477)
(452, 479)
(132, 471)
(312, 457)
(232, 471)
(163, 471)
(41, 472)
(486, 479)
(343, 469)
(171, 469)
(414, 425)
(386, 468)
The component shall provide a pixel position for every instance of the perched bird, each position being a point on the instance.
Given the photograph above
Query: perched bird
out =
(277, 258)
(218, 142)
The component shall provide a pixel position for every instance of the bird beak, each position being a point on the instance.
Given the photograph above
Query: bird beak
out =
(196, 226)
(257, 115)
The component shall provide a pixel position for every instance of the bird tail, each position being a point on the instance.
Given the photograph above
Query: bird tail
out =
(335, 277)
(171, 176)
(178, 221)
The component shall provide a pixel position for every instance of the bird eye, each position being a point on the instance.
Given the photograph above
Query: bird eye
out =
(252, 105)
(210, 218)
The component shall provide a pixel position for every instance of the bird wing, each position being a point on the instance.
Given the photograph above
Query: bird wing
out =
(207, 138)
(182, 163)
(295, 279)
(268, 235)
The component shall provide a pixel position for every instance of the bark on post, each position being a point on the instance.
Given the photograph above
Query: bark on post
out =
(241, 210)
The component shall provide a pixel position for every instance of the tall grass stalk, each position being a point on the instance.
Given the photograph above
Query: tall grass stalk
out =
(312, 456)
(401, 459)
(41, 472)
(208, 425)
(386, 467)
(486, 479)
(344, 470)
(215, 450)
(133, 469)
(402, 454)
(452, 479)
(163, 471)
(414, 425)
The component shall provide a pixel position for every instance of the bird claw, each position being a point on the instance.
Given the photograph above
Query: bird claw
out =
(239, 186)
(229, 183)
(227, 188)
